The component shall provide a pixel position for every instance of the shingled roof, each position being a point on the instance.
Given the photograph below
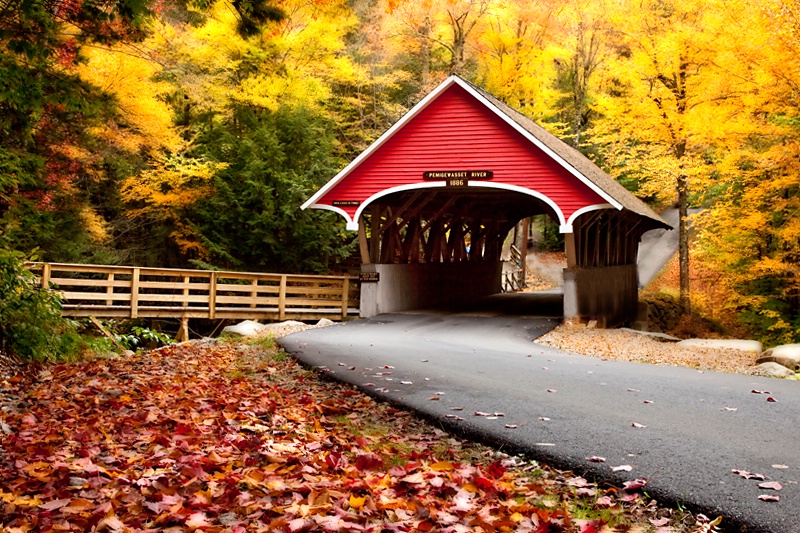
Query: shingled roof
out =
(574, 158)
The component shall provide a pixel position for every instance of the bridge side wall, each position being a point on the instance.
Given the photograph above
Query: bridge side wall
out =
(414, 286)
(607, 294)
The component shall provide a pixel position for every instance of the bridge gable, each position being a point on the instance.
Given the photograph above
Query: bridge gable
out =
(456, 129)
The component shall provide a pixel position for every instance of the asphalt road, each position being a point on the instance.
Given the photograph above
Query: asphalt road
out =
(568, 407)
(658, 246)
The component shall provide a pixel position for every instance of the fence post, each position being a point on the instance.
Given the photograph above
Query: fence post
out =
(212, 296)
(185, 301)
(110, 288)
(45, 275)
(254, 293)
(282, 299)
(345, 297)
(135, 293)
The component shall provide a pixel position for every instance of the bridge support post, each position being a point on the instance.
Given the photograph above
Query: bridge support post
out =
(183, 331)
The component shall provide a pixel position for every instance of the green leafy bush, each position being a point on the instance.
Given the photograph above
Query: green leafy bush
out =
(31, 324)
(141, 337)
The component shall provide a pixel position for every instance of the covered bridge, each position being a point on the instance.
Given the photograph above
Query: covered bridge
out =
(435, 196)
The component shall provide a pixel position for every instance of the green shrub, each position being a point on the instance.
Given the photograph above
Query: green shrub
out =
(140, 337)
(31, 325)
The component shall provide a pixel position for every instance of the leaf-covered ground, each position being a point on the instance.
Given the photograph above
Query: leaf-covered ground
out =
(216, 436)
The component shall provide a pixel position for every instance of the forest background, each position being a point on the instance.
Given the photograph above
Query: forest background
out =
(188, 133)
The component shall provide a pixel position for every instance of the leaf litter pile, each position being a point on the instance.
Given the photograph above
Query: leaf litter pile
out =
(222, 436)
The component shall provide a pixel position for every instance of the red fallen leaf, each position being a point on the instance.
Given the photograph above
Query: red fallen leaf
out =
(774, 485)
(552, 390)
(369, 461)
(631, 497)
(481, 413)
(648, 401)
(396, 471)
(769, 498)
(635, 484)
(586, 492)
(756, 391)
(511, 426)
(484, 484)
(577, 482)
(596, 459)
(729, 409)
(638, 425)
(604, 501)
(659, 522)
(589, 526)
(621, 468)
(335, 460)
(749, 475)
(496, 470)
(55, 504)
(771, 399)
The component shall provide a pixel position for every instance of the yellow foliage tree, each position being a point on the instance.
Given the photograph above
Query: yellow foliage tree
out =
(674, 100)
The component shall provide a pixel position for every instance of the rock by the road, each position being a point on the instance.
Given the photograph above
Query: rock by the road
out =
(246, 328)
(787, 355)
(735, 344)
(325, 322)
(775, 370)
(656, 336)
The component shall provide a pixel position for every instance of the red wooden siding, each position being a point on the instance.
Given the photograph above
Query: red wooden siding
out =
(457, 132)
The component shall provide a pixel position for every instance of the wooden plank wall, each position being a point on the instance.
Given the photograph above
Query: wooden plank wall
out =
(137, 292)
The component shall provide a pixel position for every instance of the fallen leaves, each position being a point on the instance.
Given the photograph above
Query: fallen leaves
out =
(749, 475)
(211, 437)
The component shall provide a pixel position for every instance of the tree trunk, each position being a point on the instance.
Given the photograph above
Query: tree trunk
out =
(683, 242)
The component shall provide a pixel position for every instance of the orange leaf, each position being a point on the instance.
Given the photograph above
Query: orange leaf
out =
(357, 502)
(443, 466)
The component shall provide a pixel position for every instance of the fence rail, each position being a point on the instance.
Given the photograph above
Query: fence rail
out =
(138, 292)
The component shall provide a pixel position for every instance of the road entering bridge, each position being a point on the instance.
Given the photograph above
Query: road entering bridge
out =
(566, 407)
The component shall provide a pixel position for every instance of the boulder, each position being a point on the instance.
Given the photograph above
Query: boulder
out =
(767, 357)
(281, 326)
(787, 355)
(733, 344)
(656, 336)
(775, 370)
(247, 328)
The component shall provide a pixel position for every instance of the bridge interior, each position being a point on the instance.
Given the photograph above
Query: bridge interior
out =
(436, 225)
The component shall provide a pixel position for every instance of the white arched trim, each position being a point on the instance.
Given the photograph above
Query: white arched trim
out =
(352, 223)
(574, 216)
(336, 210)
(523, 190)
(399, 188)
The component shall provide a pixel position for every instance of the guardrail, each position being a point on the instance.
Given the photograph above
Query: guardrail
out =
(139, 292)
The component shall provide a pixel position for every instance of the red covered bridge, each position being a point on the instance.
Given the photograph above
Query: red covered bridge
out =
(435, 196)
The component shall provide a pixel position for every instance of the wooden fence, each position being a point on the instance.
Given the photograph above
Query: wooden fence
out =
(137, 292)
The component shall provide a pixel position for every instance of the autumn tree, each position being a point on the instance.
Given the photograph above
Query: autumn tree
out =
(670, 100)
(751, 236)
(515, 55)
